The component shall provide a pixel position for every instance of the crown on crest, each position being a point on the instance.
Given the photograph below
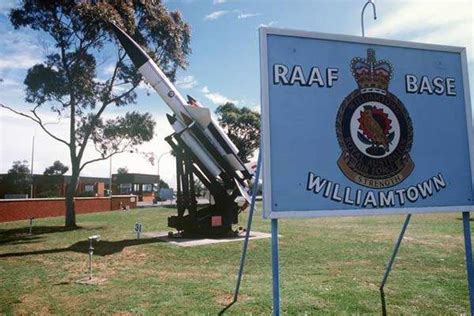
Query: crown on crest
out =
(370, 74)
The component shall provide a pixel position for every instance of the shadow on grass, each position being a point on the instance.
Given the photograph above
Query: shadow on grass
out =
(17, 235)
(101, 248)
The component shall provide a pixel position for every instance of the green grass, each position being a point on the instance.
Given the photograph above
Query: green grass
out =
(329, 265)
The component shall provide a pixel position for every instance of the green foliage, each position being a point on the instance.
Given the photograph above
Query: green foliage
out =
(163, 185)
(48, 194)
(243, 128)
(86, 194)
(57, 169)
(68, 83)
(18, 179)
(122, 170)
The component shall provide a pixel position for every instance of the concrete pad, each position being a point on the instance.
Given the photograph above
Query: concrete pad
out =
(184, 242)
(91, 281)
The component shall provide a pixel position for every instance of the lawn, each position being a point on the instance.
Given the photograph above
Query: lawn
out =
(329, 265)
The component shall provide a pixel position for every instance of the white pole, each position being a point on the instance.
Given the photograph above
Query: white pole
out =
(32, 160)
(110, 182)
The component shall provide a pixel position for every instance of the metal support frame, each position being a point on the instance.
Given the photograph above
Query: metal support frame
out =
(390, 263)
(197, 222)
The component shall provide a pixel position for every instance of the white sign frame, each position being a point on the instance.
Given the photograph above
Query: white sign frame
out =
(264, 86)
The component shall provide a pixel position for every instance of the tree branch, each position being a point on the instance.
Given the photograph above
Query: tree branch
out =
(103, 158)
(104, 104)
(37, 120)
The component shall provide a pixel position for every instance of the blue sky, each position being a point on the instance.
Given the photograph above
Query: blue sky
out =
(223, 66)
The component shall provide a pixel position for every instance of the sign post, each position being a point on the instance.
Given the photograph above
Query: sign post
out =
(361, 126)
(138, 228)
(468, 251)
(275, 269)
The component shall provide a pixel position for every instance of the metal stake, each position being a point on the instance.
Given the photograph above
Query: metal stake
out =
(469, 265)
(91, 252)
(362, 15)
(31, 226)
(390, 263)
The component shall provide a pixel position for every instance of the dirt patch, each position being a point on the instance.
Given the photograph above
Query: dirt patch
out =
(31, 302)
(225, 299)
(91, 281)
(190, 274)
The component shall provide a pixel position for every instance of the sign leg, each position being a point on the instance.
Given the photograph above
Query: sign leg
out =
(390, 263)
(249, 227)
(469, 266)
(247, 235)
(275, 269)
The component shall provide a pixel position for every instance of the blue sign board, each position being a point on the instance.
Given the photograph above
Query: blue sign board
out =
(359, 126)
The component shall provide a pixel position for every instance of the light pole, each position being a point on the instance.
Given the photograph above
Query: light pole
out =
(110, 182)
(32, 159)
(33, 155)
(158, 170)
(158, 161)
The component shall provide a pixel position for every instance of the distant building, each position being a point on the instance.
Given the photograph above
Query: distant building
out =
(142, 185)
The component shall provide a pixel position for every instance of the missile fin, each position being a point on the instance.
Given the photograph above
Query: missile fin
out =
(200, 115)
(171, 118)
(192, 101)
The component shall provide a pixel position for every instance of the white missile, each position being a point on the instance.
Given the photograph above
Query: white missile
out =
(194, 146)
(214, 133)
(186, 113)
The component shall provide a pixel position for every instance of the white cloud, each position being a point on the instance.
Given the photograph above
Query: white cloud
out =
(239, 14)
(215, 15)
(216, 97)
(187, 82)
(446, 22)
(23, 60)
(205, 90)
(7, 5)
(109, 69)
(219, 1)
(7, 82)
(268, 24)
(247, 15)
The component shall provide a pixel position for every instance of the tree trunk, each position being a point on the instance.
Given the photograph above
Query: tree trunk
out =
(70, 192)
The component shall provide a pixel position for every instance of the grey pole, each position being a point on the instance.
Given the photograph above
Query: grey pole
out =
(91, 252)
(32, 161)
(110, 183)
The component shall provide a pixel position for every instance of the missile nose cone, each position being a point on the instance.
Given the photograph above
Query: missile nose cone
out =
(171, 119)
(134, 51)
